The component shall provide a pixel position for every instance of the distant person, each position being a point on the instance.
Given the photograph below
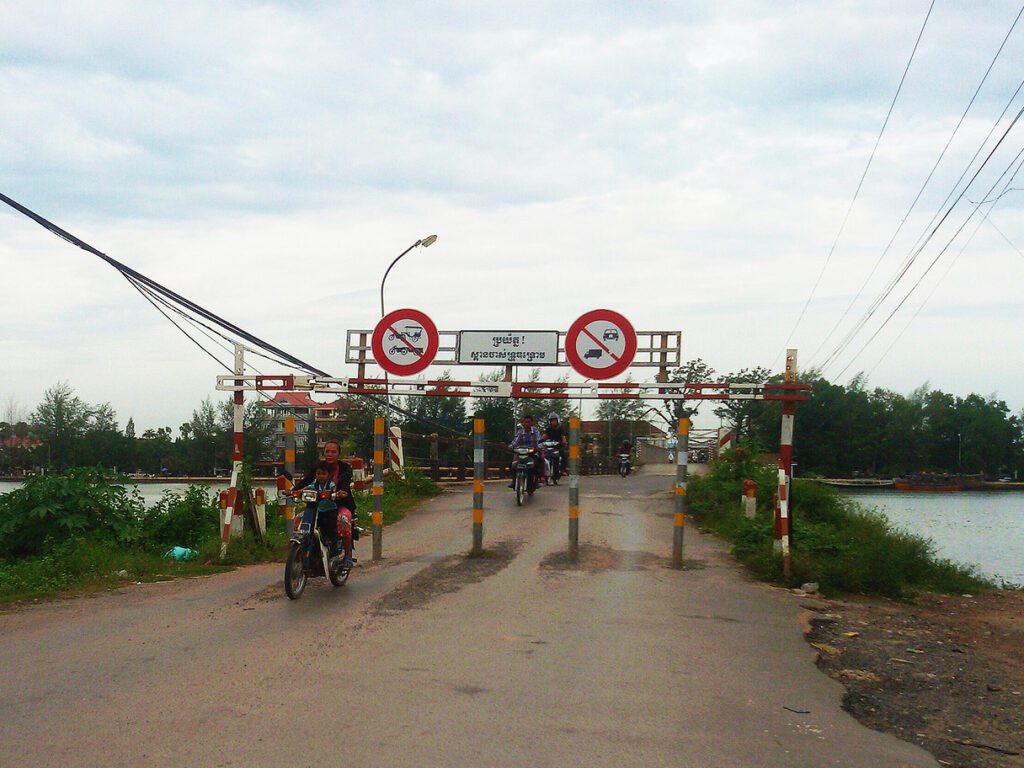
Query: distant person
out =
(556, 433)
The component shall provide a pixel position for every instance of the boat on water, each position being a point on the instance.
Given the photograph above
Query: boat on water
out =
(871, 483)
(942, 482)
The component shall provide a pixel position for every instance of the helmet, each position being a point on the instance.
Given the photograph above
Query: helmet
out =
(554, 416)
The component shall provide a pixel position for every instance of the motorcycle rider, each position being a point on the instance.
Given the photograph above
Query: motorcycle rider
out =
(327, 515)
(556, 433)
(340, 473)
(626, 448)
(527, 436)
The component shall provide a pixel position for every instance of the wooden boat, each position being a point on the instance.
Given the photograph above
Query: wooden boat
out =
(939, 482)
(870, 483)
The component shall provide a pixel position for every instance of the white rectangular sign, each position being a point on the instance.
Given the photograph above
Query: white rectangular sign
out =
(508, 348)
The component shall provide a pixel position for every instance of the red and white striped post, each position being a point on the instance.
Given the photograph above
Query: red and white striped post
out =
(783, 520)
(396, 449)
(289, 468)
(235, 500)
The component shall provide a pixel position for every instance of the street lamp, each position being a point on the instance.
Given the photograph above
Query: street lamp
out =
(426, 242)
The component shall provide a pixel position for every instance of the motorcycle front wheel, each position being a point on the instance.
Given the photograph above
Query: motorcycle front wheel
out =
(337, 574)
(295, 572)
(520, 489)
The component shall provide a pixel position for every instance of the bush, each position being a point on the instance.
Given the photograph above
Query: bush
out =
(50, 509)
(181, 519)
(835, 542)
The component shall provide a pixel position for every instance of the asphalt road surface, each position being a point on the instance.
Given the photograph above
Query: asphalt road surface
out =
(430, 659)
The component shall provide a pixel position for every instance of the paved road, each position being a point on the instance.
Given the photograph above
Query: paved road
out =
(428, 659)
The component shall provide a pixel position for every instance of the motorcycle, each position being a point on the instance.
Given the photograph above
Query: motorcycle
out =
(623, 464)
(308, 556)
(553, 454)
(525, 472)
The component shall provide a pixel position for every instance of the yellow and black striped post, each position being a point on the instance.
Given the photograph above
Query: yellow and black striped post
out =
(479, 473)
(378, 487)
(289, 468)
(682, 459)
(574, 488)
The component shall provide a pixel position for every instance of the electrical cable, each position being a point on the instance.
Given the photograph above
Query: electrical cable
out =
(913, 204)
(938, 256)
(139, 280)
(908, 263)
(856, 193)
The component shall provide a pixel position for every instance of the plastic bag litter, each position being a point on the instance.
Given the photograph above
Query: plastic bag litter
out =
(180, 553)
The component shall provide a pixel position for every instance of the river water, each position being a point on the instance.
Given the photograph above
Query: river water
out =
(983, 529)
(151, 492)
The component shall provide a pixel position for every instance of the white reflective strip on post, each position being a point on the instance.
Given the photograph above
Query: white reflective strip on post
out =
(574, 481)
(478, 455)
(787, 429)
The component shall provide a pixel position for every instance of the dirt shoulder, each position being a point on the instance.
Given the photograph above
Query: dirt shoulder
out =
(943, 672)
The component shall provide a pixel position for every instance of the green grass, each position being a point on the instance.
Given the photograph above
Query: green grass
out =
(836, 542)
(88, 554)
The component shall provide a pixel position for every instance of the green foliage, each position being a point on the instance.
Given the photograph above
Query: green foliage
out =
(79, 564)
(400, 496)
(847, 430)
(48, 509)
(181, 519)
(835, 542)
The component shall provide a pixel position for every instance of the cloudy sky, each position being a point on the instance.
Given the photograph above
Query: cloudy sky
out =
(687, 164)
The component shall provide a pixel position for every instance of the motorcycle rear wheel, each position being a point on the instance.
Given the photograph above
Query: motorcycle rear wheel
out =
(623, 469)
(295, 572)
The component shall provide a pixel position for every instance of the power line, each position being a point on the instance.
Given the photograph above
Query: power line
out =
(938, 256)
(856, 193)
(922, 243)
(917, 197)
(151, 289)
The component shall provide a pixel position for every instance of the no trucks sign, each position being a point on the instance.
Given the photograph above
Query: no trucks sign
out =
(600, 344)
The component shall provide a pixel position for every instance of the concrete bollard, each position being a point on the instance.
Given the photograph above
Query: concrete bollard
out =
(748, 501)
(479, 472)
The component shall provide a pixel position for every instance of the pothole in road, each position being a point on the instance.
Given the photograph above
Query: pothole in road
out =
(445, 576)
(594, 558)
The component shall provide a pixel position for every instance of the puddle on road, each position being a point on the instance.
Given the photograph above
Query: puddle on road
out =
(445, 576)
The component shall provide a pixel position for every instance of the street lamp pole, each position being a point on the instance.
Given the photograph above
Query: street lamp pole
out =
(426, 242)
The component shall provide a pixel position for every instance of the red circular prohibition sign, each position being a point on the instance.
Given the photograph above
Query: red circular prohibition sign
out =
(607, 338)
(404, 342)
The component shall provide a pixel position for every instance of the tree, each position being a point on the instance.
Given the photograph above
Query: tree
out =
(129, 429)
(740, 413)
(621, 415)
(258, 431)
(61, 420)
(691, 372)
(498, 413)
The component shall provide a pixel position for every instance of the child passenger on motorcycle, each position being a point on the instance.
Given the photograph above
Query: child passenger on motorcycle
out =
(334, 524)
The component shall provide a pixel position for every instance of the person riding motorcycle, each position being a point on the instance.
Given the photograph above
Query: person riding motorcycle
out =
(527, 436)
(627, 449)
(555, 432)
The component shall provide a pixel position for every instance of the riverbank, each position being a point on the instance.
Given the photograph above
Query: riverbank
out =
(944, 672)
